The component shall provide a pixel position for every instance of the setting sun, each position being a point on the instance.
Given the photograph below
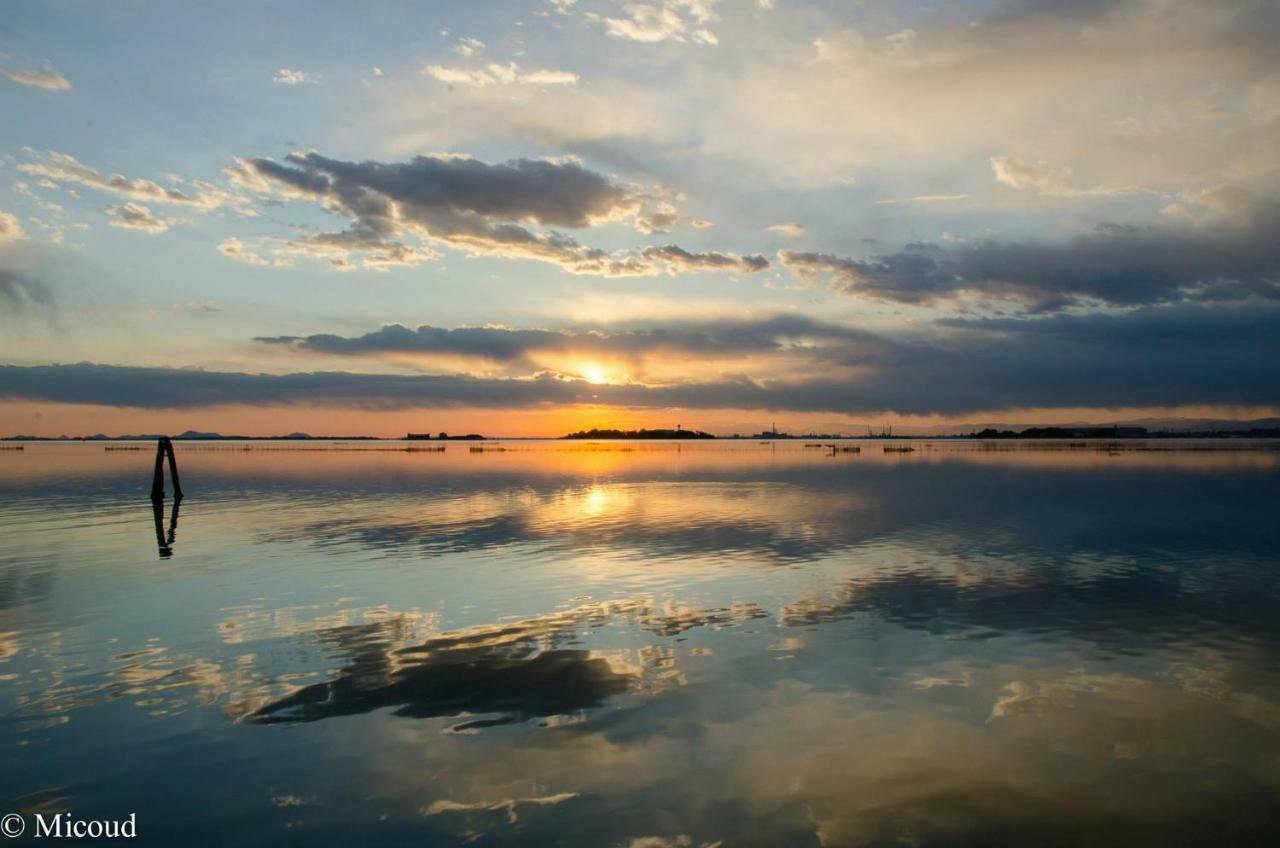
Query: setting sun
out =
(594, 374)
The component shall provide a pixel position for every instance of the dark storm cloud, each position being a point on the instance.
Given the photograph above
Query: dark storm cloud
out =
(561, 194)
(464, 202)
(475, 206)
(1157, 356)
(509, 345)
(1116, 265)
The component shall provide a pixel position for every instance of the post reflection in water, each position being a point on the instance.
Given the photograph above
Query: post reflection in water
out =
(165, 542)
(634, 645)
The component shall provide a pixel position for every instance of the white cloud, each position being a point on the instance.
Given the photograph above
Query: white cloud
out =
(468, 46)
(131, 216)
(62, 167)
(288, 76)
(923, 198)
(496, 74)
(672, 20)
(1046, 180)
(46, 78)
(235, 249)
(10, 229)
(791, 230)
(657, 218)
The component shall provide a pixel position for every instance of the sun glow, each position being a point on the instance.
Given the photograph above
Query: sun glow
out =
(594, 374)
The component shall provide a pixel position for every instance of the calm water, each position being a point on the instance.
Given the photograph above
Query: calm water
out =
(647, 645)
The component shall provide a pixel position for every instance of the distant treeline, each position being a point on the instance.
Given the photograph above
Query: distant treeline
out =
(639, 434)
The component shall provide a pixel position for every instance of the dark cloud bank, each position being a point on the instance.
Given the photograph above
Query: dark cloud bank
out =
(477, 206)
(1234, 259)
(709, 338)
(1154, 356)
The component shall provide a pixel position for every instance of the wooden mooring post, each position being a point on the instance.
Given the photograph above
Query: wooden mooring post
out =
(164, 448)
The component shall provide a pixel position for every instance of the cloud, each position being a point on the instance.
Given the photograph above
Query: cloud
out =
(371, 253)
(679, 259)
(1047, 181)
(549, 77)
(46, 78)
(504, 344)
(791, 230)
(1154, 357)
(235, 249)
(244, 173)
(474, 206)
(496, 74)
(671, 20)
(1234, 257)
(131, 216)
(923, 198)
(65, 168)
(288, 76)
(468, 46)
(340, 251)
(10, 229)
(1191, 84)
(659, 218)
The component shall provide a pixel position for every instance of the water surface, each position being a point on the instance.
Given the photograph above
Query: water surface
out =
(649, 644)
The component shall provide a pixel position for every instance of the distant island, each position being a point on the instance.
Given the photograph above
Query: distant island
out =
(639, 434)
(444, 437)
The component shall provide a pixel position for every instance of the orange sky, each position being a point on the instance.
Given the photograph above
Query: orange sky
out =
(59, 419)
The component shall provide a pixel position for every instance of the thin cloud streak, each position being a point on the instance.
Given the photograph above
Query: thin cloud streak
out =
(46, 78)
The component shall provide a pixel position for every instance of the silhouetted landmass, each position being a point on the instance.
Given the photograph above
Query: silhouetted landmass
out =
(639, 434)
(1123, 433)
(1114, 432)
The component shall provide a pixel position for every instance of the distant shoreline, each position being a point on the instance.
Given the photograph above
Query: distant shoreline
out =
(1031, 434)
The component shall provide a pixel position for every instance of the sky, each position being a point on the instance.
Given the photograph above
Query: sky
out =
(526, 218)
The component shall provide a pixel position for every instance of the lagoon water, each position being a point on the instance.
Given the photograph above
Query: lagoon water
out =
(647, 644)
